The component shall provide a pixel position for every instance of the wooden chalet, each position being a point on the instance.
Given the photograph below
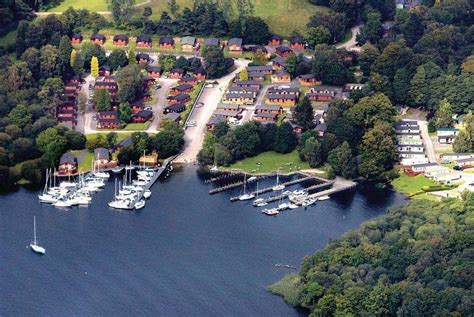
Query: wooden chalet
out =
(239, 89)
(200, 74)
(166, 42)
(212, 41)
(269, 109)
(104, 70)
(143, 58)
(101, 156)
(142, 116)
(322, 93)
(281, 76)
(275, 40)
(213, 121)
(149, 159)
(181, 98)
(176, 73)
(67, 164)
(143, 41)
(265, 70)
(248, 83)
(229, 107)
(73, 85)
(283, 51)
(297, 43)
(154, 71)
(284, 90)
(234, 115)
(105, 85)
(177, 108)
(181, 89)
(265, 117)
(172, 116)
(149, 81)
(278, 62)
(235, 45)
(188, 44)
(191, 80)
(108, 120)
(98, 39)
(308, 80)
(256, 76)
(76, 38)
(239, 98)
(137, 106)
(120, 40)
(282, 100)
(109, 79)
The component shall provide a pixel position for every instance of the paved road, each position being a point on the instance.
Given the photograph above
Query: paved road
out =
(351, 45)
(210, 97)
(430, 152)
(160, 103)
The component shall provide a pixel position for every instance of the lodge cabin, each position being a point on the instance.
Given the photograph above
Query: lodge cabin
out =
(137, 106)
(75, 79)
(308, 80)
(72, 85)
(256, 76)
(104, 70)
(143, 41)
(166, 42)
(278, 63)
(76, 38)
(266, 69)
(67, 164)
(281, 76)
(229, 107)
(275, 40)
(465, 162)
(149, 159)
(297, 43)
(322, 93)
(184, 88)
(239, 98)
(297, 129)
(452, 157)
(408, 135)
(235, 45)
(68, 121)
(101, 156)
(188, 44)
(154, 71)
(212, 41)
(98, 39)
(247, 83)
(128, 141)
(149, 81)
(109, 79)
(283, 51)
(107, 115)
(265, 117)
(200, 74)
(142, 116)
(282, 100)
(172, 116)
(277, 110)
(239, 89)
(181, 98)
(213, 121)
(408, 147)
(70, 92)
(176, 73)
(447, 135)
(142, 58)
(229, 115)
(190, 80)
(145, 97)
(177, 108)
(407, 126)
(105, 85)
(108, 120)
(258, 49)
(284, 90)
(120, 40)
(420, 168)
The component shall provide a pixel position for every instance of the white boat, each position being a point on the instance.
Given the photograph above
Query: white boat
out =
(67, 184)
(117, 169)
(139, 183)
(47, 198)
(34, 245)
(214, 169)
(63, 203)
(278, 186)
(283, 206)
(251, 179)
(293, 206)
(286, 193)
(308, 202)
(82, 200)
(140, 204)
(147, 194)
(270, 212)
(258, 202)
(300, 192)
(103, 175)
(245, 195)
(326, 197)
(121, 204)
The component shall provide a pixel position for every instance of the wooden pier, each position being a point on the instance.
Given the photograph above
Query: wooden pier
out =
(156, 175)
(324, 185)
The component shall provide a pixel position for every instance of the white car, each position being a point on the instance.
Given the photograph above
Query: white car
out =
(191, 124)
(148, 108)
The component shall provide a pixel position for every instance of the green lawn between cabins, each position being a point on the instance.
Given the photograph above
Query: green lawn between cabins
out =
(137, 126)
(84, 159)
(270, 162)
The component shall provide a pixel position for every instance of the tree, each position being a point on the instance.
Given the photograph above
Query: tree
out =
(88, 50)
(243, 74)
(131, 57)
(167, 62)
(49, 58)
(19, 116)
(291, 63)
(170, 139)
(467, 66)
(102, 100)
(141, 142)
(319, 35)
(413, 29)
(173, 7)
(421, 84)
(117, 59)
(259, 58)
(65, 50)
(444, 115)
(32, 58)
(340, 159)
(395, 55)
(401, 84)
(464, 142)
(72, 57)
(78, 64)
(181, 62)
(121, 10)
(75, 139)
(20, 43)
(304, 113)
(285, 139)
(94, 67)
(147, 12)
(370, 110)
(256, 30)
(367, 57)
(125, 112)
(372, 30)
(222, 156)
(130, 81)
(313, 152)
(111, 139)
(215, 62)
(221, 129)
(329, 66)
(52, 145)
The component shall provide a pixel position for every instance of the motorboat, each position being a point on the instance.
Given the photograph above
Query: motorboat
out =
(117, 169)
(292, 206)
(63, 203)
(325, 197)
(147, 194)
(121, 204)
(286, 193)
(252, 179)
(299, 192)
(270, 212)
(283, 206)
(34, 244)
(214, 169)
(47, 198)
(308, 202)
(139, 183)
(259, 202)
(139, 204)
(67, 184)
(99, 174)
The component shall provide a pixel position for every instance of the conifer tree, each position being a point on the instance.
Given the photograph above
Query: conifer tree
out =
(94, 67)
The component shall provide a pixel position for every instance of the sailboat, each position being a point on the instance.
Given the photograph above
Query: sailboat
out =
(259, 202)
(278, 186)
(34, 245)
(246, 196)
(282, 205)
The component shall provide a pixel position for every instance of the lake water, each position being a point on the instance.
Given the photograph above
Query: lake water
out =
(185, 253)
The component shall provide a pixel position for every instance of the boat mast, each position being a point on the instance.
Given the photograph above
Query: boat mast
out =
(34, 229)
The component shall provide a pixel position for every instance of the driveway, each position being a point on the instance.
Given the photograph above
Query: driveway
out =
(430, 152)
(210, 97)
(351, 45)
(160, 103)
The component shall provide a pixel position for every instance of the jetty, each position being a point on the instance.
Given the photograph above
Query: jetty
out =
(324, 185)
(164, 167)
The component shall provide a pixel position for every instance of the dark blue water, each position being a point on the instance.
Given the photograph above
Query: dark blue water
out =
(185, 253)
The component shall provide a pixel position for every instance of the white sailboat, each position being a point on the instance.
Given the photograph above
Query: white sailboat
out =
(246, 196)
(140, 204)
(34, 245)
(259, 202)
(278, 186)
(270, 212)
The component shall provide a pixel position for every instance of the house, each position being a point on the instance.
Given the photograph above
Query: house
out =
(104, 70)
(321, 129)
(154, 71)
(76, 38)
(120, 40)
(411, 154)
(72, 93)
(284, 90)
(229, 107)
(142, 116)
(176, 73)
(101, 156)
(149, 159)
(352, 87)
(229, 115)
(149, 81)
(72, 85)
(104, 85)
(404, 147)
(109, 79)
(191, 80)
(281, 76)
(123, 143)
(269, 109)
(184, 88)
(258, 48)
(143, 58)
(451, 157)
(414, 161)
(98, 39)
(177, 108)
(213, 121)
(239, 89)
(448, 178)
(408, 135)
(200, 74)
(68, 121)
(279, 99)
(240, 98)
(435, 170)
(256, 76)
(446, 135)
(465, 162)
(143, 41)
(211, 41)
(297, 42)
(107, 115)
(275, 40)
(308, 80)
(188, 43)
(421, 168)
(266, 69)
(322, 93)
(283, 51)
(137, 106)
(278, 62)
(172, 116)
(407, 126)
(265, 117)
(166, 42)
(235, 45)
(67, 164)
(144, 97)
(248, 83)
(181, 98)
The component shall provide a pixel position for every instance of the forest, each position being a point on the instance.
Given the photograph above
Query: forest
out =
(417, 260)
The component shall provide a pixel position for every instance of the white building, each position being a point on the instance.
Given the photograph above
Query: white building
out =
(447, 135)
(421, 168)
(414, 161)
(451, 157)
(447, 178)
(432, 171)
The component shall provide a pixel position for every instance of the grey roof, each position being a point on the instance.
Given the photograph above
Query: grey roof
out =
(177, 107)
(189, 40)
(183, 87)
(215, 120)
(259, 68)
(166, 40)
(179, 97)
(98, 36)
(469, 159)
(307, 76)
(425, 165)
(188, 78)
(226, 106)
(227, 113)
(235, 41)
(281, 96)
(67, 158)
(101, 154)
(212, 41)
(121, 37)
(322, 127)
(146, 114)
(255, 74)
(144, 38)
(279, 60)
(172, 116)
(156, 69)
(247, 82)
(266, 115)
(239, 95)
(281, 72)
(125, 142)
(279, 90)
(267, 107)
(177, 70)
(235, 88)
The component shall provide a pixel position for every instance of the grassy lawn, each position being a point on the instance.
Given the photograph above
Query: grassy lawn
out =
(137, 126)
(270, 162)
(288, 288)
(189, 105)
(120, 136)
(410, 185)
(8, 39)
(84, 158)
(97, 5)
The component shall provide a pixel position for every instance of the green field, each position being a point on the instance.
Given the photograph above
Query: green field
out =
(8, 39)
(410, 185)
(270, 162)
(120, 136)
(84, 159)
(137, 126)
(95, 5)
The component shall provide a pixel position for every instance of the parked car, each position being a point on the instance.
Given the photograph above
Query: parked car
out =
(191, 124)
(199, 104)
(158, 87)
(457, 168)
(147, 108)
